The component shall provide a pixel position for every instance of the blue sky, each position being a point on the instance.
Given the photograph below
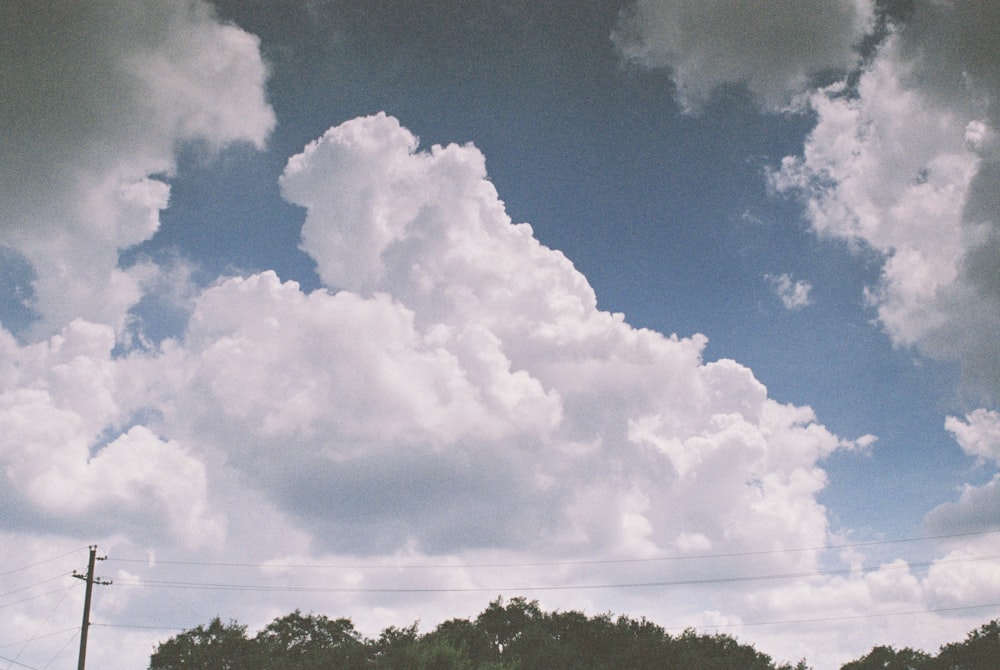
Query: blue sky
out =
(267, 301)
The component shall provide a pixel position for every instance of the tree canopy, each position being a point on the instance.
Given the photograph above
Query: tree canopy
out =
(517, 635)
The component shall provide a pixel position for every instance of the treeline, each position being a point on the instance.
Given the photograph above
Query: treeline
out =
(979, 651)
(516, 635)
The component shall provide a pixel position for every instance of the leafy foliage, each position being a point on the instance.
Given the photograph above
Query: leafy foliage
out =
(297, 642)
(888, 658)
(517, 635)
(979, 651)
(218, 646)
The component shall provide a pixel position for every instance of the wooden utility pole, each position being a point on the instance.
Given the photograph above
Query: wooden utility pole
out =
(89, 579)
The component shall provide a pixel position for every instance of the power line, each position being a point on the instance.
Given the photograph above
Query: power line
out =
(36, 597)
(609, 561)
(31, 586)
(17, 663)
(214, 586)
(61, 650)
(37, 632)
(136, 626)
(74, 629)
(846, 617)
(42, 562)
(849, 617)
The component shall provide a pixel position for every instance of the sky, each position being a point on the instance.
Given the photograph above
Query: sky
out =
(685, 311)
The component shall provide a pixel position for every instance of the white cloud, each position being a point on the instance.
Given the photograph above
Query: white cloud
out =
(470, 339)
(454, 391)
(979, 434)
(466, 393)
(774, 48)
(978, 507)
(102, 92)
(794, 294)
(975, 510)
(905, 166)
(57, 400)
(460, 395)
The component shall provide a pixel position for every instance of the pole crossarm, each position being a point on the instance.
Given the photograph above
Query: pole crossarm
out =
(90, 581)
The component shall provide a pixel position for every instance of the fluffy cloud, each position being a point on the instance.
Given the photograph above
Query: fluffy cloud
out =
(58, 399)
(794, 294)
(902, 161)
(461, 390)
(774, 48)
(979, 434)
(906, 165)
(98, 96)
(978, 507)
(459, 394)
(453, 391)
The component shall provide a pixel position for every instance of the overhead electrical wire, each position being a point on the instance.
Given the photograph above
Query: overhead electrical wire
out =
(166, 584)
(135, 626)
(40, 595)
(38, 634)
(74, 629)
(17, 663)
(527, 564)
(61, 650)
(215, 586)
(782, 622)
(31, 586)
(42, 562)
(846, 617)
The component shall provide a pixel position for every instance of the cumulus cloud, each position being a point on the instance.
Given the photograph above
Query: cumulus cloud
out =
(904, 161)
(978, 434)
(904, 164)
(978, 507)
(58, 399)
(97, 96)
(794, 294)
(453, 390)
(774, 48)
(975, 510)
(461, 390)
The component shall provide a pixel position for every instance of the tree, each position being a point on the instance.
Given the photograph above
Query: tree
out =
(472, 642)
(218, 646)
(503, 624)
(310, 642)
(517, 635)
(888, 658)
(440, 655)
(396, 648)
(979, 651)
(717, 652)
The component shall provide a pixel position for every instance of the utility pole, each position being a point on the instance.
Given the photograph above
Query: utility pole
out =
(89, 579)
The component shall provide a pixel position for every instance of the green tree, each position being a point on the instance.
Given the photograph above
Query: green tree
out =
(888, 658)
(640, 644)
(979, 651)
(466, 637)
(716, 652)
(218, 646)
(502, 625)
(310, 642)
(396, 648)
(440, 655)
